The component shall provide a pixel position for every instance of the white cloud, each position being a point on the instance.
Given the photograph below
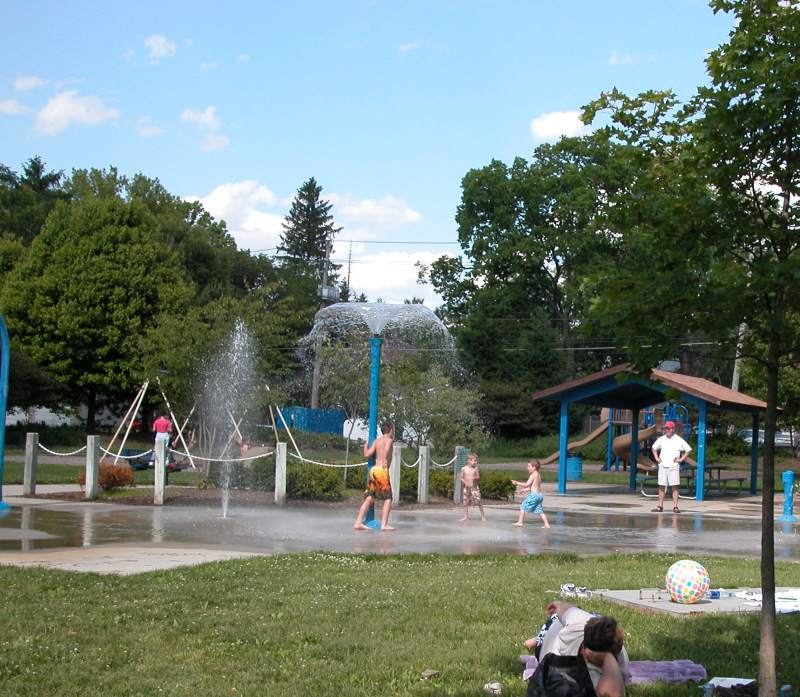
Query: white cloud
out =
(205, 119)
(240, 204)
(129, 55)
(553, 125)
(413, 46)
(11, 107)
(159, 47)
(208, 122)
(147, 129)
(384, 213)
(25, 83)
(68, 107)
(617, 58)
(243, 58)
(389, 275)
(211, 65)
(215, 141)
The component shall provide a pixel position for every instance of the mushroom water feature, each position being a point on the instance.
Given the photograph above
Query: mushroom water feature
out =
(410, 322)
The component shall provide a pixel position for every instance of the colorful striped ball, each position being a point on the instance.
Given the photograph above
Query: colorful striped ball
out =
(687, 581)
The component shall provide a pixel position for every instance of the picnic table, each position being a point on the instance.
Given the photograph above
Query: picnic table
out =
(720, 481)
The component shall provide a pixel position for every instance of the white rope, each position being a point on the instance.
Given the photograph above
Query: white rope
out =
(326, 464)
(126, 457)
(444, 464)
(53, 452)
(223, 459)
(414, 464)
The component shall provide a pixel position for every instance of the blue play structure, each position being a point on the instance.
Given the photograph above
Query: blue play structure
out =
(620, 424)
(314, 420)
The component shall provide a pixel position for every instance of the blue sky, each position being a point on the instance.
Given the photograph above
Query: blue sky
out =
(386, 104)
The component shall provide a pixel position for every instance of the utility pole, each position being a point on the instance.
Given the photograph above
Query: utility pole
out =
(318, 343)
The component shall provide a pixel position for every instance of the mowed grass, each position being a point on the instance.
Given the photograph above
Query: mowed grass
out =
(338, 624)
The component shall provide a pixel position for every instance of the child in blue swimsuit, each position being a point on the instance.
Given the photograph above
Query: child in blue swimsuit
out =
(533, 501)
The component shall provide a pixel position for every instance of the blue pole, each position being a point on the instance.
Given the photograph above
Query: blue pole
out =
(634, 447)
(700, 484)
(610, 440)
(563, 434)
(754, 457)
(375, 343)
(788, 498)
(4, 362)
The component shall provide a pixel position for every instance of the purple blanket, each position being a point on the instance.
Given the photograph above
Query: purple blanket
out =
(643, 671)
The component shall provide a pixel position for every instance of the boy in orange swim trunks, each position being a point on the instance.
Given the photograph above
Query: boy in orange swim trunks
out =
(379, 487)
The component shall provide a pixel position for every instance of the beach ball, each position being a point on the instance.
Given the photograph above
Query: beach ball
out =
(687, 581)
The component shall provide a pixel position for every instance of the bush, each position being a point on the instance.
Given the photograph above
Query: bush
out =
(440, 483)
(495, 485)
(110, 476)
(50, 436)
(305, 481)
(256, 475)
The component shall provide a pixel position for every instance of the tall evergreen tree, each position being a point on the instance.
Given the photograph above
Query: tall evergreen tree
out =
(307, 231)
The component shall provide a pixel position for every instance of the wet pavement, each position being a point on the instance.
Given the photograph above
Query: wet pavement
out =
(111, 537)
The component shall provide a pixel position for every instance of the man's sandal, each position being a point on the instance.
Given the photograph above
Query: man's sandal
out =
(676, 510)
(658, 509)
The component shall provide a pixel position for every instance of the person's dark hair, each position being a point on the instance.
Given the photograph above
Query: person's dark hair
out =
(386, 426)
(600, 634)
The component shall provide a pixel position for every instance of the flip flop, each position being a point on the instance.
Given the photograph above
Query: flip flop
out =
(658, 509)
(676, 510)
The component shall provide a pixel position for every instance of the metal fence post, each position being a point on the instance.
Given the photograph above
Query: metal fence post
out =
(31, 459)
(91, 487)
(280, 473)
(460, 461)
(160, 474)
(394, 473)
(422, 474)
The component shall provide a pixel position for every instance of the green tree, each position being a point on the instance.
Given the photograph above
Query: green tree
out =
(308, 232)
(428, 403)
(94, 282)
(711, 237)
(26, 199)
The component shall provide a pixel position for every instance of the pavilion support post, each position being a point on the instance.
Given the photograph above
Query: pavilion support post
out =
(563, 437)
(700, 484)
(634, 447)
(610, 441)
(754, 456)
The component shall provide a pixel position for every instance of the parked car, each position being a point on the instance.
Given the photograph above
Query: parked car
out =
(783, 439)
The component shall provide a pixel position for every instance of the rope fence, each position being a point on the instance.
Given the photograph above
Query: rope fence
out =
(326, 464)
(126, 457)
(223, 459)
(53, 452)
(413, 464)
(444, 465)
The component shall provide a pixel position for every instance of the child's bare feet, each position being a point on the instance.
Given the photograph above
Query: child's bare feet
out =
(360, 526)
(385, 528)
(546, 525)
(483, 518)
(517, 525)
(461, 520)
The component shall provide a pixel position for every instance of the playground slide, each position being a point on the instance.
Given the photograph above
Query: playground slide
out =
(576, 444)
(622, 448)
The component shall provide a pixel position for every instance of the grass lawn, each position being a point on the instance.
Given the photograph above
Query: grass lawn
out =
(334, 624)
(68, 474)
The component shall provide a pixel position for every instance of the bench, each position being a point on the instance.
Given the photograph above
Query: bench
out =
(722, 482)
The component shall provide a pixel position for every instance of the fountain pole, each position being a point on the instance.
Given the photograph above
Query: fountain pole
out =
(375, 343)
(4, 363)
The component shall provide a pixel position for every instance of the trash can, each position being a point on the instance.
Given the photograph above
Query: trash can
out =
(574, 468)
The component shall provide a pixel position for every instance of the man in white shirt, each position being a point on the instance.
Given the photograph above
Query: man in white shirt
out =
(572, 631)
(669, 451)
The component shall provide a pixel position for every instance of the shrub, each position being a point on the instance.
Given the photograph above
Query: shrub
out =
(256, 475)
(110, 476)
(440, 483)
(51, 436)
(356, 477)
(495, 485)
(305, 481)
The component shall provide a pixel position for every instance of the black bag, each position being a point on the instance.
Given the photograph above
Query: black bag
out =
(561, 676)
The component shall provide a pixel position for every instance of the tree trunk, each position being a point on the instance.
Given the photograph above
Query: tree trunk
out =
(767, 679)
(91, 408)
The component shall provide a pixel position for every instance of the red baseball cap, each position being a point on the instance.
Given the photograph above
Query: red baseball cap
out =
(669, 424)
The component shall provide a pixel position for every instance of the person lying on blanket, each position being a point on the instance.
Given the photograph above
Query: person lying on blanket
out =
(570, 631)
